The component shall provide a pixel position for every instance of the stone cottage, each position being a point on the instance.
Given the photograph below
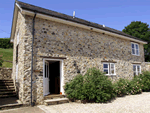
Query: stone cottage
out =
(50, 48)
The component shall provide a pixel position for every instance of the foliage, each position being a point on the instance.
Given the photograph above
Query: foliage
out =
(7, 55)
(5, 43)
(97, 86)
(121, 87)
(140, 30)
(135, 85)
(74, 88)
(145, 76)
(94, 85)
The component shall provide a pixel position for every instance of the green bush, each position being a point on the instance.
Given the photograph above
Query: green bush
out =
(5, 43)
(93, 86)
(135, 85)
(97, 86)
(121, 87)
(145, 76)
(73, 89)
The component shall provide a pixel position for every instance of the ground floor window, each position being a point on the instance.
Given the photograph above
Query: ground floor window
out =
(109, 68)
(136, 69)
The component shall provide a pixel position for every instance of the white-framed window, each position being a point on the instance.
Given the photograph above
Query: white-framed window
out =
(136, 69)
(109, 68)
(135, 49)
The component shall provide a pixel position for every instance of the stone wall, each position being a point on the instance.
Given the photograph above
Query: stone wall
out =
(19, 81)
(87, 48)
(5, 73)
(145, 66)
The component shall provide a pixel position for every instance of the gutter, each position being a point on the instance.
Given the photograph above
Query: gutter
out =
(43, 16)
(33, 29)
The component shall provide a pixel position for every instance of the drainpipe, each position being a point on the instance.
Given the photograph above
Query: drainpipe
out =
(33, 29)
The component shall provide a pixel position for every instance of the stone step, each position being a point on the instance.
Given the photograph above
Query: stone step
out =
(10, 106)
(7, 96)
(6, 92)
(56, 101)
(6, 84)
(6, 80)
(54, 96)
(6, 87)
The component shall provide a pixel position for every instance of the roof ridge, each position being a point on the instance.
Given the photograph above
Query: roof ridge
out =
(70, 18)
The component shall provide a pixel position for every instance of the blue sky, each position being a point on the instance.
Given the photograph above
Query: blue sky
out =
(112, 13)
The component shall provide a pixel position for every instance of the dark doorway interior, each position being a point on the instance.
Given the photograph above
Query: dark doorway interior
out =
(54, 70)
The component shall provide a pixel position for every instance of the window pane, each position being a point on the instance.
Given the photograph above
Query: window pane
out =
(134, 68)
(137, 52)
(133, 46)
(45, 70)
(105, 65)
(112, 72)
(106, 71)
(137, 47)
(133, 51)
(112, 66)
(138, 68)
(134, 73)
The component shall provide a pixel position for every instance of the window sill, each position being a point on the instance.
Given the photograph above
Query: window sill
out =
(135, 55)
(111, 75)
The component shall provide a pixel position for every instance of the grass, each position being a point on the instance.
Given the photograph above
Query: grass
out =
(7, 55)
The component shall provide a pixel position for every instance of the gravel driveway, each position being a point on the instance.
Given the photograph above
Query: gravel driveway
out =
(128, 104)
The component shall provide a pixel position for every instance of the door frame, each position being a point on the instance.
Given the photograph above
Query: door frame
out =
(61, 73)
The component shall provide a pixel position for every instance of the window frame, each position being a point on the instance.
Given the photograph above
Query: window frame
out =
(135, 49)
(109, 68)
(136, 70)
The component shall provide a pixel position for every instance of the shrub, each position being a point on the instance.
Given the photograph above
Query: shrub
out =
(121, 87)
(97, 86)
(5, 43)
(135, 85)
(93, 86)
(145, 76)
(73, 89)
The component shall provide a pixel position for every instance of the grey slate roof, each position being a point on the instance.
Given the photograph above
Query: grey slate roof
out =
(70, 18)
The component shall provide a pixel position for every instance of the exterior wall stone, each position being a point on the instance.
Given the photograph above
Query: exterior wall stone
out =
(85, 47)
(20, 27)
(145, 66)
(5, 73)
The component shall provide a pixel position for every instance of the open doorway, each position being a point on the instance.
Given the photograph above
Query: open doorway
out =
(53, 76)
(54, 84)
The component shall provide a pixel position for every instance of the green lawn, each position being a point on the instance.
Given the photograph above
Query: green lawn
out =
(7, 55)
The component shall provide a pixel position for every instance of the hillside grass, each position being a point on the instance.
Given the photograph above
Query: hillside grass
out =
(7, 55)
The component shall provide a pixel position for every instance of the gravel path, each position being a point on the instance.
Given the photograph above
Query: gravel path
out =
(128, 104)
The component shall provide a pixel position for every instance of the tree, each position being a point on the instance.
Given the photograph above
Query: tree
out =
(140, 30)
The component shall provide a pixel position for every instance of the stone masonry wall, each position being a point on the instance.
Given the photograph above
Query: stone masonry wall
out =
(86, 47)
(20, 27)
(145, 66)
(5, 73)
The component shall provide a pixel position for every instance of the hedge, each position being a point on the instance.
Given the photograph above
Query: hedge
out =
(5, 43)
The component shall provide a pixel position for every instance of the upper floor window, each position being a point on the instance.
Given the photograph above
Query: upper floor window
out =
(136, 69)
(135, 49)
(109, 68)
